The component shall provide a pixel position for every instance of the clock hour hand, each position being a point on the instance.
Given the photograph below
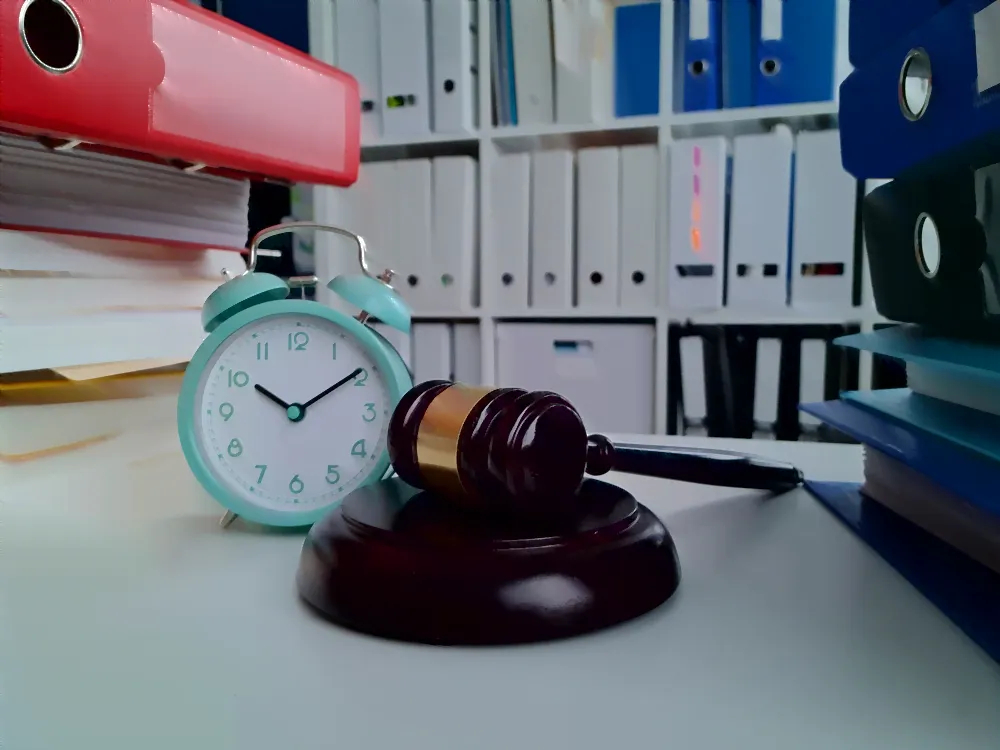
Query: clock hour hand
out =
(332, 388)
(262, 390)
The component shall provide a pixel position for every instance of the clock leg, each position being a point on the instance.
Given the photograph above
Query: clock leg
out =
(226, 521)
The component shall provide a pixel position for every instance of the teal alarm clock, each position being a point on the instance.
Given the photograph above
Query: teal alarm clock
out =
(284, 408)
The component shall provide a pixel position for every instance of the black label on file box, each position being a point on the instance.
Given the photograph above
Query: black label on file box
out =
(565, 346)
(768, 269)
(822, 269)
(696, 269)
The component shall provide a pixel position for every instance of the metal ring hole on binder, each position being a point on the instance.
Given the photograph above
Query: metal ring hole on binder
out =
(915, 84)
(698, 67)
(770, 66)
(927, 245)
(50, 32)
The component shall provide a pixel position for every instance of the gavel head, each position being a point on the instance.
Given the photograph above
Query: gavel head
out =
(497, 449)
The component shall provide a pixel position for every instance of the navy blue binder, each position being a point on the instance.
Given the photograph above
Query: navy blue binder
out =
(962, 115)
(965, 591)
(953, 467)
(799, 66)
(875, 22)
(287, 20)
(739, 65)
(698, 61)
(637, 59)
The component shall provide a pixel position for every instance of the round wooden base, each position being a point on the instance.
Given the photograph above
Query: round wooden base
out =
(399, 563)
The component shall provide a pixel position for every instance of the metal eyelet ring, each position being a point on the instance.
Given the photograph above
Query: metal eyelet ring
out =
(924, 234)
(44, 27)
(698, 68)
(914, 87)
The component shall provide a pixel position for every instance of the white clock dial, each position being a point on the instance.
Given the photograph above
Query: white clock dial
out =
(260, 431)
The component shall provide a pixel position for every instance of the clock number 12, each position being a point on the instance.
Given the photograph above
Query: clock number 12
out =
(298, 341)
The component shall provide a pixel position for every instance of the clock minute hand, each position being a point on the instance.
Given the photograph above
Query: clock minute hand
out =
(263, 391)
(333, 387)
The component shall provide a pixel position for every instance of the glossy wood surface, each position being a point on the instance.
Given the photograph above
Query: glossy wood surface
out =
(399, 563)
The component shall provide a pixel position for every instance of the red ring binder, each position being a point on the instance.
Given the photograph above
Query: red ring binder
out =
(169, 80)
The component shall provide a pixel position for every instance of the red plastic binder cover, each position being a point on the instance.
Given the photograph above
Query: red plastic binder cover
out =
(171, 80)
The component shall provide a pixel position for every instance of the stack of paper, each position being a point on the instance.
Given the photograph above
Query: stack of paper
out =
(97, 194)
(70, 301)
(106, 444)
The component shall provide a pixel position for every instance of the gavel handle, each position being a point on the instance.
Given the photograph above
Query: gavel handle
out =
(709, 466)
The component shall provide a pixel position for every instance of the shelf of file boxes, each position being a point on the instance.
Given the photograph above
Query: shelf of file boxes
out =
(601, 83)
(529, 242)
(568, 232)
(746, 381)
(651, 128)
(531, 170)
(516, 72)
(742, 381)
(556, 199)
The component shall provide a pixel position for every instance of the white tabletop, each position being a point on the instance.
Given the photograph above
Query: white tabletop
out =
(146, 630)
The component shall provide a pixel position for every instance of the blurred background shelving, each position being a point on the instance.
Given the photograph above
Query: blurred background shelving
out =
(484, 311)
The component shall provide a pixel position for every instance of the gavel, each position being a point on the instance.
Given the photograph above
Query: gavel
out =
(527, 452)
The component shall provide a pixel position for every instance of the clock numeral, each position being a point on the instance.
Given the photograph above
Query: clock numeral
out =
(332, 475)
(334, 349)
(362, 378)
(298, 341)
(369, 415)
(263, 468)
(262, 348)
(238, 378)
(358, 449)
(226, 411)
(296, 485)
(235, 448)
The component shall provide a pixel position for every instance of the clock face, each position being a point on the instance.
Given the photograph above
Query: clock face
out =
(292, 413)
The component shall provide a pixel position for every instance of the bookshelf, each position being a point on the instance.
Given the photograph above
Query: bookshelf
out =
(490, 141)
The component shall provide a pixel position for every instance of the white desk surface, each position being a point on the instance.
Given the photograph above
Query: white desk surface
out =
(156, 630)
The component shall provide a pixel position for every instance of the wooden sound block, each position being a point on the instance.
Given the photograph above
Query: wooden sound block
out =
(399, 563)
